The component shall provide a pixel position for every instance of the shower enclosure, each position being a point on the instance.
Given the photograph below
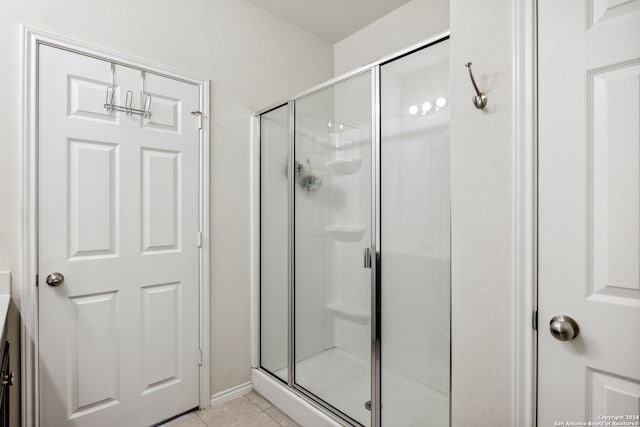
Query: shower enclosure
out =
(354, 242)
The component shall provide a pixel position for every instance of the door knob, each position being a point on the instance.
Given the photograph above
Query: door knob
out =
(55, 279)
(8, 379)
(563, 327)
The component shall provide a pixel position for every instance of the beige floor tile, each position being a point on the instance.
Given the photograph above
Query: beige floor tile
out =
(262, 420)
(238, 412)
(260, 401)
(249, 410)
(189, 420)
(281, 418)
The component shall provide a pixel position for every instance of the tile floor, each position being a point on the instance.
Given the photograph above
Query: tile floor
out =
(248, 410)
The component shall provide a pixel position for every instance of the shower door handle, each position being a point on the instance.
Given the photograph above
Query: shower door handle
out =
(367, 257)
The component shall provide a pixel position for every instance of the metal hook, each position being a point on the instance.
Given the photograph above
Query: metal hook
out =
(128, 102)
(480, 100)
(108, 102)
(147, 107)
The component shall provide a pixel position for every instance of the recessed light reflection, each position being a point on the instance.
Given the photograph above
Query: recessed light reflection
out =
(429, 107)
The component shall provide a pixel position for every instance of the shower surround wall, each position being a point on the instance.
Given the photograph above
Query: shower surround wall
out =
(311, 261)
(331, 230)
(349, 148)
(416, 219)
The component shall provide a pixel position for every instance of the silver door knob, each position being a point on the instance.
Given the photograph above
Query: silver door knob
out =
(563, 327)
(8, 379)
(55, 279)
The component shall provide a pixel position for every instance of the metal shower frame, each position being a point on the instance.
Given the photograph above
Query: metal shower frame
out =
(375, 362)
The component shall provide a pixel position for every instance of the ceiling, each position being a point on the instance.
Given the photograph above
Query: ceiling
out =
(331, 20)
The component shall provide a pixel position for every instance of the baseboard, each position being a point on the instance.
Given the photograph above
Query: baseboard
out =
(231, 393)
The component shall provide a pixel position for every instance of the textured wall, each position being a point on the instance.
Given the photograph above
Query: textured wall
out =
(409, 24)
(481, 190)
(253, 59)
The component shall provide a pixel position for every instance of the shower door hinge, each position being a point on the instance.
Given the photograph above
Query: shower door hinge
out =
(37, 280)
(534, 320)
(199, 115)
(200, 238)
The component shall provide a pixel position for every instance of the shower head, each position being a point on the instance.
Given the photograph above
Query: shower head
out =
(310, 183)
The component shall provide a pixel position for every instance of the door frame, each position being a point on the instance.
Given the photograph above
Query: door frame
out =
(28, 303)
(524, 214)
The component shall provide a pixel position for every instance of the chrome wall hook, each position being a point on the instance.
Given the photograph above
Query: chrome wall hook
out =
(480, 99)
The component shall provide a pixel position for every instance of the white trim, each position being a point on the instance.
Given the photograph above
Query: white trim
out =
(254, 177)
(231, 393)
(28, 295)
(205, 250)
(29, 237)
(524, 214)
(110, 55)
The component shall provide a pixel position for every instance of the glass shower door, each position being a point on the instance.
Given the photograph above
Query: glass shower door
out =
(332, 212)
(414, 241)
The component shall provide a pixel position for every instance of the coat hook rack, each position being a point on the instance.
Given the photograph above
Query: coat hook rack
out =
(128, 104)
(480, 99)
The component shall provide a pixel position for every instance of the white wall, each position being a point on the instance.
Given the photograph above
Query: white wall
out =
(415, 21)
(253, 60)
(481, 185)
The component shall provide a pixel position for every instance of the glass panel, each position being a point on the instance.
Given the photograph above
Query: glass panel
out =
(274, 152)
(332, 228)
(415, 226)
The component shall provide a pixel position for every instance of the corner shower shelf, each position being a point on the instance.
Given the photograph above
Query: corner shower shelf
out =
(349, 312)
(346, 234)
(344, 166)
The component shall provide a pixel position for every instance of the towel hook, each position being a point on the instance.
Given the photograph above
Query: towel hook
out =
(480, 100)
(128, 103)
(108, 102)
(147, 107)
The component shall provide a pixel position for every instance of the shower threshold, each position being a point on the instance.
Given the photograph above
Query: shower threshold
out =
(343, 380)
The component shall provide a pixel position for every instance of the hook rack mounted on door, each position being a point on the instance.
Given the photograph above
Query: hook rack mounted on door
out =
(128, 108)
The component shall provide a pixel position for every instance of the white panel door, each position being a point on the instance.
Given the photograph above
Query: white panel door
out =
(118, 218)
(589, 211)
